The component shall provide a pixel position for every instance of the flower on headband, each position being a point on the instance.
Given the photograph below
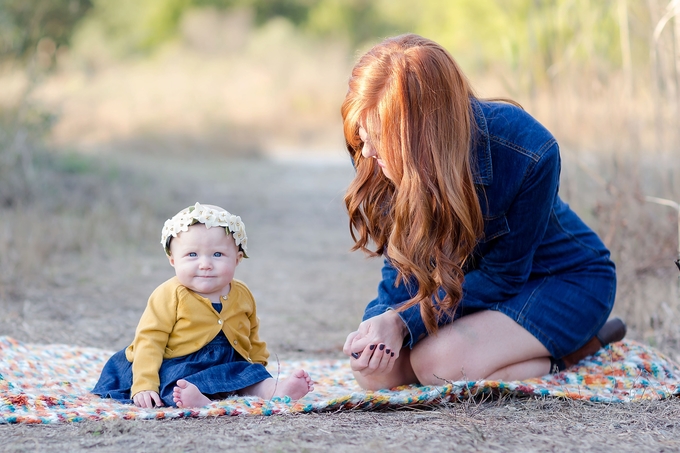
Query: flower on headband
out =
(210, 217)
(207, 216)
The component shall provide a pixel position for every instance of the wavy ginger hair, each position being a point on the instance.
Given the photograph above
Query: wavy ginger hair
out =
(414, 103)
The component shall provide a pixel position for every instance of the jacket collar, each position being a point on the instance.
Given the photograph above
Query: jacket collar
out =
(482, 172)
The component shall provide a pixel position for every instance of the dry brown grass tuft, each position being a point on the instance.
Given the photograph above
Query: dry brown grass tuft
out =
(506, 426)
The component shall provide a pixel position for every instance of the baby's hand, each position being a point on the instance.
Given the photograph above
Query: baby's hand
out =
(147, 399)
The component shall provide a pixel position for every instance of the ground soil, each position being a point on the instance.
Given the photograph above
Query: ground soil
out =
(310, 292)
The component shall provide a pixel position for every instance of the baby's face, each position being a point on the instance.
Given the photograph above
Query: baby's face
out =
(205, 260)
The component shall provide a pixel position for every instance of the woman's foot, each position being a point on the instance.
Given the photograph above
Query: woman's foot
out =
(185, 394)
(294, 386)
(613, 330)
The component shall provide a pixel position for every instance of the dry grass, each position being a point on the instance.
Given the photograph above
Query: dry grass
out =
(502, 426)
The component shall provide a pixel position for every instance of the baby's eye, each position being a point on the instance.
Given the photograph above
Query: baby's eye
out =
(192, 254)
(217, 254)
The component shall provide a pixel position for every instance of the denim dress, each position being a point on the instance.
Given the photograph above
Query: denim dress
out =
(216, 369)
(537, 261)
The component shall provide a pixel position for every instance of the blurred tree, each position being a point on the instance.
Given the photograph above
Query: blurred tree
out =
(141, 26)
(132, 26)
(293, 10)
(359, 21)
(544, 40)
(24, 23)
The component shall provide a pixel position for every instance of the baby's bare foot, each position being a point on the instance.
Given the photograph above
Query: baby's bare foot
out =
(185, 394)
(295, 386)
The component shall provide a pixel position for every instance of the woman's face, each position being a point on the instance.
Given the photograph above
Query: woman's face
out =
(368, 151)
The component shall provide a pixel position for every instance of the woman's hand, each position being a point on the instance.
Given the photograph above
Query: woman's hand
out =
(375, 346)
(147, 399)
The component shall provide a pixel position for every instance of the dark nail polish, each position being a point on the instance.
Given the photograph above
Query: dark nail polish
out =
(372, 347)
(387, 351)
(392, 354)
(355, 355)
(381, 347)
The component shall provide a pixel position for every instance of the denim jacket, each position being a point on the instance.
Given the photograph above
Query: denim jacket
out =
(529, 232)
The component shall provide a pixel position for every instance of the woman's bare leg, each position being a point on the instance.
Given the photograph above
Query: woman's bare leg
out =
(486, 344)
(520, 371)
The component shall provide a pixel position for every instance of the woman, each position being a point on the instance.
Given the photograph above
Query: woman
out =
(488, 274)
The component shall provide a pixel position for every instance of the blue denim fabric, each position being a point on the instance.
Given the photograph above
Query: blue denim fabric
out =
(537, 261)
(216, 369)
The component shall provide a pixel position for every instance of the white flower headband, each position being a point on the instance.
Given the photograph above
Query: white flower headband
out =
(210, 216)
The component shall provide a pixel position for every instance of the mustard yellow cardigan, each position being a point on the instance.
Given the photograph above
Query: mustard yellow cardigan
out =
(177, 322)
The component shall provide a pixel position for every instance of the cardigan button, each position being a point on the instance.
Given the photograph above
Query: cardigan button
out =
(235, 341)
(219, 321)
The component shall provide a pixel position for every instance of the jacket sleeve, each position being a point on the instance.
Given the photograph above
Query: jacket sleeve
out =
(503, 271)
(150, 341)
(258, 348)
(390, 297)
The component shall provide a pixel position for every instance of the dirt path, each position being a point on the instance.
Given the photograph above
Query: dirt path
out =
(311, 292)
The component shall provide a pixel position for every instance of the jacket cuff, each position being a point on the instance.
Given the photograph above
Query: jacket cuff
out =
(410, 317)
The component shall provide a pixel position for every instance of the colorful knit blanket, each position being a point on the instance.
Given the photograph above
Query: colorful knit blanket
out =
(51, 383)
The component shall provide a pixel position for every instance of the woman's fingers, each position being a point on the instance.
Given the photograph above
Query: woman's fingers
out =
(386, 359)
(347, 348)
(360, 361)
(387, 363)
(360, 344)
(374, 359)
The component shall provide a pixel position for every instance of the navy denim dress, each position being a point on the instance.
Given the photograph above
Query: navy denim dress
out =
(216, 369)
(537, 262)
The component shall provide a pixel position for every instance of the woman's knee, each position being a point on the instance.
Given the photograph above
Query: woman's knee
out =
(472, 348)
(441, 359)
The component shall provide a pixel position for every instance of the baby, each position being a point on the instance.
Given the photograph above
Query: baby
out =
(197, 339)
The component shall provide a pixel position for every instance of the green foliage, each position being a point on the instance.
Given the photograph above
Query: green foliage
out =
(543, 38)
(23, 23)
(73, 163)
(136, 25)
(544, 35)
(358, 21)
(294, 10)
(141, 26)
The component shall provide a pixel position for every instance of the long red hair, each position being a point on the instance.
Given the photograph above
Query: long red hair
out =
(414, 103)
